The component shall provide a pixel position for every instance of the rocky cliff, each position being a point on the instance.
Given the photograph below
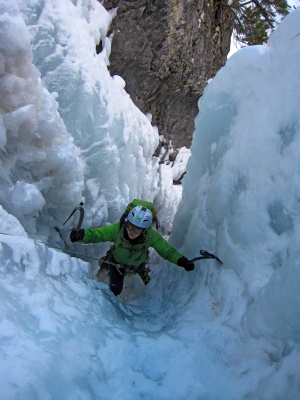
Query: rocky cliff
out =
(166, 50)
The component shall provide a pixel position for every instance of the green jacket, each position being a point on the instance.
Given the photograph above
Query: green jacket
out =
(127, 254)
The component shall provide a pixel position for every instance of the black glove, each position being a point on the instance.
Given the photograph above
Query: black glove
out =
(76, 235)
(185, 263)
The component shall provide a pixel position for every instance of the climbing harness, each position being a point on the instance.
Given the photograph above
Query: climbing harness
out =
(117, 266)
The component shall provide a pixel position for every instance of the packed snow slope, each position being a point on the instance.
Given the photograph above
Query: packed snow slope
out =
(69, 133)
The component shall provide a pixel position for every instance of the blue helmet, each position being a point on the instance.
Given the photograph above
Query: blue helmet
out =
(140, 217)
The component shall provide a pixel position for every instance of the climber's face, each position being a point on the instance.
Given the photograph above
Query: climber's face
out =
(133, 231)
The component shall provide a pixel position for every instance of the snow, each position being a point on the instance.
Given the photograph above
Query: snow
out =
(69, 132)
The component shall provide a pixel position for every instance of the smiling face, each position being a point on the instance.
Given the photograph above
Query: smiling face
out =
(133, 231)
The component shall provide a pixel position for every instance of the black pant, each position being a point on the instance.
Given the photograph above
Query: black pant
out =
(117, 274)
(116, 279)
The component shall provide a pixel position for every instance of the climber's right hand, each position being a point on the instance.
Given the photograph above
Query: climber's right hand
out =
(76, 235)
(185, 263)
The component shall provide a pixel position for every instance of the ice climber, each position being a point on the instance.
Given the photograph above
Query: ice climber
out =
(132, 236)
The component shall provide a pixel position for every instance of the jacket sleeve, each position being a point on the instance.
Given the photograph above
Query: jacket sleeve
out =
(103, 234)
(163, 248)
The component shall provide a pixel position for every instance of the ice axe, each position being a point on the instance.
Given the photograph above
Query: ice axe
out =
(81, 210)
(205, 255)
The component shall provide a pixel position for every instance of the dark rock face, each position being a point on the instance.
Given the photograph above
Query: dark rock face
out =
(166, 50)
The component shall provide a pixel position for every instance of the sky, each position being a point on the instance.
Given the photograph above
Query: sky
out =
(294, 3)
(235, 46)
(69, 132)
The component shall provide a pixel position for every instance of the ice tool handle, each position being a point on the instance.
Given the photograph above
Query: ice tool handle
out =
(81, 210)
(204, 255)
